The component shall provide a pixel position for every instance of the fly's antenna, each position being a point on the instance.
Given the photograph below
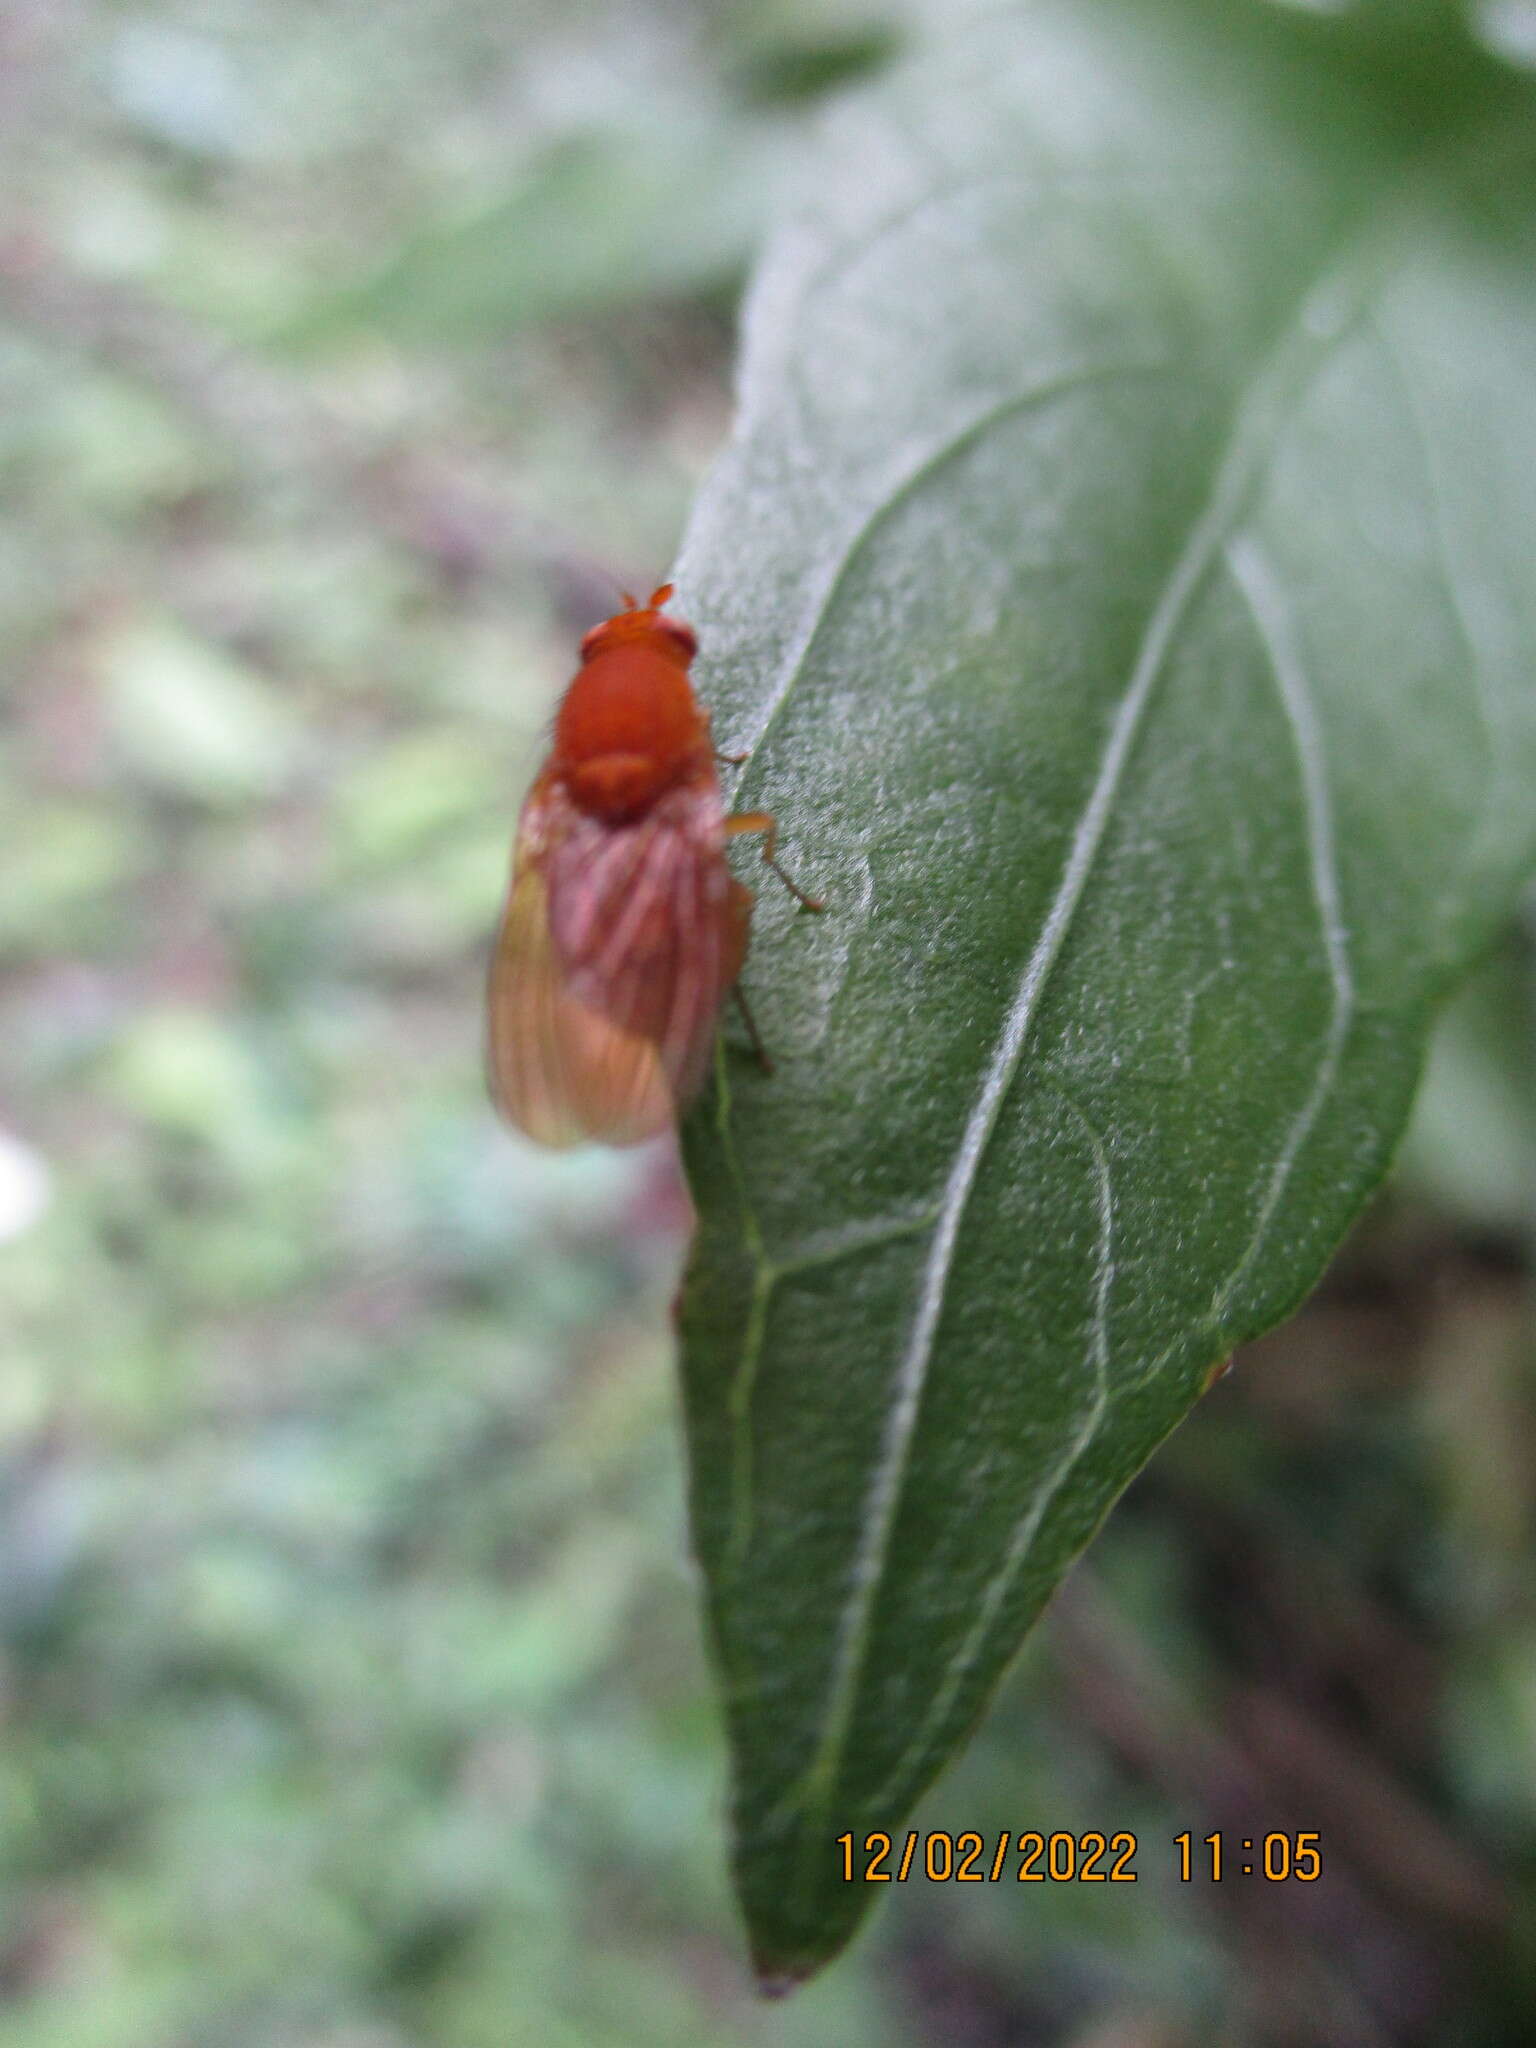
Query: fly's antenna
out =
(654, 602)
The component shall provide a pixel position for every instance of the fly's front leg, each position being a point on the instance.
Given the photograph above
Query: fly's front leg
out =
(753, 1033)
(762, 821)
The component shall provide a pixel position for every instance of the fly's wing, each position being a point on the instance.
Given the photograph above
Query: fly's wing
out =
(617, 947)
(560, 1071)
(649, 926)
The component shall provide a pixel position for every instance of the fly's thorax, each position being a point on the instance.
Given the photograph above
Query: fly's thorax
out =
(616, 787)
(629, 728)
(644, 627)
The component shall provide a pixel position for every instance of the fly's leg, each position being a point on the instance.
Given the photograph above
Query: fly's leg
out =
(762, 821)
(759, 1049)
(732, 760)
(738, 827)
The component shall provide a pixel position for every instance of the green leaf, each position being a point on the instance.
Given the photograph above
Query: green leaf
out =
(1472, 1142)
(1122, 576)
(665, 208)
(662, 196)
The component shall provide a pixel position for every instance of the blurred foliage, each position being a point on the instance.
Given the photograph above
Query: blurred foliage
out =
(349, 1668)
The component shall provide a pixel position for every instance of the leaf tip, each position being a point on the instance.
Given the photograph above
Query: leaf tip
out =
(776, 1975)
(1217, 1372)
(779, 1984)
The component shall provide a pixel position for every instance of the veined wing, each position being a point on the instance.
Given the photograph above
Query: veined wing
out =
(559, 1070)
(650, 925)
(616, 950)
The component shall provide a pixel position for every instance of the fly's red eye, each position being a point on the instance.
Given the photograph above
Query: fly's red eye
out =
(681, 635)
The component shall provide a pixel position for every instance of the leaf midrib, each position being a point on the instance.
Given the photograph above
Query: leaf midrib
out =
(1057, 385)
(1284, 370)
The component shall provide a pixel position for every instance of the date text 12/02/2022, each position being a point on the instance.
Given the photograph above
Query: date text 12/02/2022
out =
(1031, 1857)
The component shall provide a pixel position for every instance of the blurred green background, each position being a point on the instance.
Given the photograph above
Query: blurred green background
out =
(351, 1691)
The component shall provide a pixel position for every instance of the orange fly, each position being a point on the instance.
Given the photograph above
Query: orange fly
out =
(624, 929)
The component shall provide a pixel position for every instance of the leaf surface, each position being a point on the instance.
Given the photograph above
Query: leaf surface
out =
(1121, 574)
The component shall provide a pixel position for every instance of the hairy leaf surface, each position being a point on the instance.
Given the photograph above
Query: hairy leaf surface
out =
(1122, 576)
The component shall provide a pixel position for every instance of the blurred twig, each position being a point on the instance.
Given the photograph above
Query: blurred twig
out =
(1332, 1963)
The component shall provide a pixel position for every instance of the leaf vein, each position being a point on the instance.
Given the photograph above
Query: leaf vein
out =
(1293, 360)
(830, 1248)
(995, 1593)
(744, 1378)
(1266, 604)
(1486, 813)
(906, 487)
